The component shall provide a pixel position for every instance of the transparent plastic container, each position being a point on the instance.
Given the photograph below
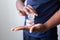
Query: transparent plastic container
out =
(30, 20)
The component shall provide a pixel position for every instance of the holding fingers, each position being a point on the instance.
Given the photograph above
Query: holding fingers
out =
(29, 10)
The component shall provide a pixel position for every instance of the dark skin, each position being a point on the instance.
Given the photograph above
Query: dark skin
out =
(53, 21)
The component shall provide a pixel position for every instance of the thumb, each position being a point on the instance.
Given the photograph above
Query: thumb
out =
(31, 29)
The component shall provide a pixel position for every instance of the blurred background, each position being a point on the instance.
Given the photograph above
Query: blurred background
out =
(9, 17)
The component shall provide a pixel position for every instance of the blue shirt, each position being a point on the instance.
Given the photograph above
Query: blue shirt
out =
(45, 9)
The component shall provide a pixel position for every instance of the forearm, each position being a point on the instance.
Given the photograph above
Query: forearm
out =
(53, 21)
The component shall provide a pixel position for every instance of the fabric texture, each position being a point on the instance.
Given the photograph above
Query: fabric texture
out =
(45, 9)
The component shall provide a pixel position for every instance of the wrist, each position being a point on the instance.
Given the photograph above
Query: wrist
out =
(43, 28)
(46, 26)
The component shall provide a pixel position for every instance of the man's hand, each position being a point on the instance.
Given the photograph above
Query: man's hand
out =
(23, 10)
(34, 28)
(20, 6)
(29, 10)
(20, 28)
(38, 28)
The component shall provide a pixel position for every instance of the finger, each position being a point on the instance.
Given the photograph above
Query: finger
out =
(30, 7)
(22, 13)
(12, 29)
(31, 29)
(32, 10)
(20, 28)
(26, 10)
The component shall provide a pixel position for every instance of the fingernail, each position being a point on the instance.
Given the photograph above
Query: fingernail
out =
(30, 31)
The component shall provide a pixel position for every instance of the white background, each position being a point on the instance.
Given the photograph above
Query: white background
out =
(9, 17)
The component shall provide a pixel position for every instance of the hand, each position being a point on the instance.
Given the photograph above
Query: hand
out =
(20, 6)
(20, 28)
(28, 9)
(38, 28)
(34, 28)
